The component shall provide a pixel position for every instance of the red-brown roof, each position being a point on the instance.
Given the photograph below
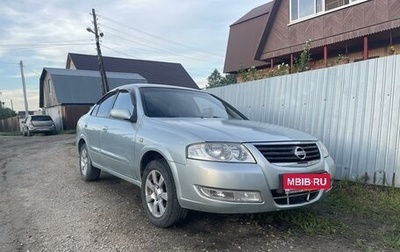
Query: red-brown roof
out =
(266, 33)
(244, 38)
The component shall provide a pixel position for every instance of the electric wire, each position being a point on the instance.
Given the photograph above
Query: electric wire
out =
(8, 63)
(174, 43)
(31, 70)
(150, 48)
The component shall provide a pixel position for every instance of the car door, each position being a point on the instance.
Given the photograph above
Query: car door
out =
(118, 138)
(93, 127)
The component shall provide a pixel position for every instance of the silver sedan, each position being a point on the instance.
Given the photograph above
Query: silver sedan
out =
(187, 149)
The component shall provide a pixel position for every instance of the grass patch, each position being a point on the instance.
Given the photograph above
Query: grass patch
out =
(14, 133)
(366, 215)
(372, 211)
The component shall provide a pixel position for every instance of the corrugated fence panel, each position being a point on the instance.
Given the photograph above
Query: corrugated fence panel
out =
(11, 124)
(353, 108)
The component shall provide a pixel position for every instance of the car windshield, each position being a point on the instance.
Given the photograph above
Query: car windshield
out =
(169, 102)
(41, 118)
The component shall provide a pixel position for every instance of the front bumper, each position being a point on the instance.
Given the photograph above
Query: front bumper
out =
(262, 177)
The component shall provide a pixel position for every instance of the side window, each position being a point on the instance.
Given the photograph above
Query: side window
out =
(94, 111)
(105, 106)
(124, 101)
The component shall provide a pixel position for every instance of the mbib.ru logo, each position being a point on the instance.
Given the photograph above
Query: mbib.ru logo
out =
(306, 181)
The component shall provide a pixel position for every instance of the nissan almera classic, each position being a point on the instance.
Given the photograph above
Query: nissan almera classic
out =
(189, 150)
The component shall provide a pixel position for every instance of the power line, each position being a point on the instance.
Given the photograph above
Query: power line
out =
(154, 48)
(9, 63)
(31, 70)
(117, 51)
(163, 40)
(45, 43)
(38, 46)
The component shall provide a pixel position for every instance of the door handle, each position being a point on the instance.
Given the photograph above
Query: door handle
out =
(105, 128)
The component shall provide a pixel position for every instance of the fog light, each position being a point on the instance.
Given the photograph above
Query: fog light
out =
(231, 195)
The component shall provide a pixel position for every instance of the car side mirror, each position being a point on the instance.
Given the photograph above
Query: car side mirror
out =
(121, 113)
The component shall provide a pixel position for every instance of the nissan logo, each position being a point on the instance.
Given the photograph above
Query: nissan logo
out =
(300, 153)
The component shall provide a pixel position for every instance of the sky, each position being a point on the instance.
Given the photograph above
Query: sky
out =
(41, 33)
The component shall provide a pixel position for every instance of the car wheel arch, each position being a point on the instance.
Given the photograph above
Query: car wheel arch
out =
(147, 158)
(154, 155)
(81, 141)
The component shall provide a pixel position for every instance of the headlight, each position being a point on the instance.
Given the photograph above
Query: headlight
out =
(324, 150)
(221, 152)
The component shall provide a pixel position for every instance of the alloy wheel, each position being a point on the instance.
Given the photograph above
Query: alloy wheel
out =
(156, 193)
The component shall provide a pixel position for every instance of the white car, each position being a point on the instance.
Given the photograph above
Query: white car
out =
(33, 124)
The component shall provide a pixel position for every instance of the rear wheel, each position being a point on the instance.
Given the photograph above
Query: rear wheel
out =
(159, 195)
(87, 170)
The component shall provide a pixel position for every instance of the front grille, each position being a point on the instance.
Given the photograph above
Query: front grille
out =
(289, 153)
(293, 198)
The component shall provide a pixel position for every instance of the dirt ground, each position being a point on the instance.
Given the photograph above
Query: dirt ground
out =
(45, 206)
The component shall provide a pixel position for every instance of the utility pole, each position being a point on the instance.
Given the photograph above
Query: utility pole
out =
(102, 70)
(24, 88)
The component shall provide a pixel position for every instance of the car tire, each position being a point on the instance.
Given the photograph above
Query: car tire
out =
(159, 195)
(87, 170)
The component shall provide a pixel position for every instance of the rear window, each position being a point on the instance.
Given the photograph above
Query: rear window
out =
(41, 118)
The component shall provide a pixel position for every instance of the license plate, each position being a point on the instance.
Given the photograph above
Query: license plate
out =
(298, 182)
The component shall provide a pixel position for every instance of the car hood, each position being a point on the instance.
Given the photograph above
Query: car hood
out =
(212, 129)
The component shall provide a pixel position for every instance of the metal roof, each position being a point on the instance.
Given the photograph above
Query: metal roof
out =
(154, 71)
(82, 86)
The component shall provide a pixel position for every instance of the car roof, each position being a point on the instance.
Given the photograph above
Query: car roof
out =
(133, 86)
(39, 116)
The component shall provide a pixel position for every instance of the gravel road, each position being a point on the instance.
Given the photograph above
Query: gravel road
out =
(45, 206)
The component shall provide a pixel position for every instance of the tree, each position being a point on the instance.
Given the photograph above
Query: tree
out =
(230, 79)
(6, 112)
(216, 79)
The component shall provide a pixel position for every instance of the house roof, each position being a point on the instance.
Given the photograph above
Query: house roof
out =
(154, 71)
(265, 33)
(244, 38)
(81, 86)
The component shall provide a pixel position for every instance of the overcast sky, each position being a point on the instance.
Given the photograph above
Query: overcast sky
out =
(41, 33)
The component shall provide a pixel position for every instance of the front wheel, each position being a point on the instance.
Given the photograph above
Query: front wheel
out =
(159, 195)
(87, 170)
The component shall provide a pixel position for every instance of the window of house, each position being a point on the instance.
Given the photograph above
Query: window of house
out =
(303, 9)
(49, 86)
